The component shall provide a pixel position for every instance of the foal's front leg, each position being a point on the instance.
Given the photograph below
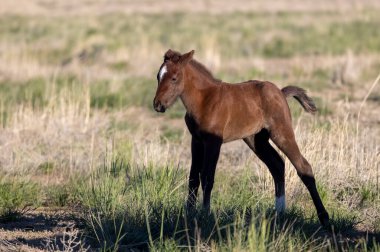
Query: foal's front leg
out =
(212, 146)
(197, 152)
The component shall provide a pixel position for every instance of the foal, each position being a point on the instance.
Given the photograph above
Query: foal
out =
(218, 112)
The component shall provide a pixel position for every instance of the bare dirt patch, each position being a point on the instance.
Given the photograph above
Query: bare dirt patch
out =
(42, 229)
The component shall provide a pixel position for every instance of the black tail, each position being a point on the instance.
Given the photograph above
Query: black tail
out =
(300, 95)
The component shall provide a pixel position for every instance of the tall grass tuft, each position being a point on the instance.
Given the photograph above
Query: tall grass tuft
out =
(132, 207)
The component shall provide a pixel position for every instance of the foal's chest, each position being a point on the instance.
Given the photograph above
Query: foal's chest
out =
(193, 126)
(202, 131)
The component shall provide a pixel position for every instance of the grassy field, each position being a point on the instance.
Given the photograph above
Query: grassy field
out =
(85, 162)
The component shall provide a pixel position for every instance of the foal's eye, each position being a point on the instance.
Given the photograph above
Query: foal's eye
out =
(174, 79)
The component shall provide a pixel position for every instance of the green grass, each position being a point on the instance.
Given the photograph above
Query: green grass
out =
(124, 205)
(131, 92)
(143, 208)
(129, 206)
(244, 34)
(171, 135)
(61, 195)
(17, 197)
(46, 167)
(137, 91)
(32, 92)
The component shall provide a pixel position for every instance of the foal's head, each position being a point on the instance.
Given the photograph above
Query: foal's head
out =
(170, 79)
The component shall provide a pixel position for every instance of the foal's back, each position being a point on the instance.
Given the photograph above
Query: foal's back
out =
(246, 108)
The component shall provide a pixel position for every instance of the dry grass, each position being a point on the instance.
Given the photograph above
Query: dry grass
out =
(100, 7)
(76, 95)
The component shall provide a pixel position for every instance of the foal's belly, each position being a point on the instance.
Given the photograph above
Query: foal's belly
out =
(242, 127)
(245, 118)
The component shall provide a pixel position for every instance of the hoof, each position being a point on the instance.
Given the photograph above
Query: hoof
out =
(325, 221)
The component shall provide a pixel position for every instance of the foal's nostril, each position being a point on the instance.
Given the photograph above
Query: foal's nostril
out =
(158, 106)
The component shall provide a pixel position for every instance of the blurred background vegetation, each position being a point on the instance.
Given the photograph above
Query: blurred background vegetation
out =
(78, 132)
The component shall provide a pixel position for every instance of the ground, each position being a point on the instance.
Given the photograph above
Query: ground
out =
(86, 163)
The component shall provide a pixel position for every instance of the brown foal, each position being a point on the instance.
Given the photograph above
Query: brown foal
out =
(218, 112)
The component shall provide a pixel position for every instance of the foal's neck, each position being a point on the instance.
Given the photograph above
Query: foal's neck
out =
(196, 89)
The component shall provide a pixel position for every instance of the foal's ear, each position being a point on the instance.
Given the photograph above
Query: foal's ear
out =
(185, 58)
(168, 54)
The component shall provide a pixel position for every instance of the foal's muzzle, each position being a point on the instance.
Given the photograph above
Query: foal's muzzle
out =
(158, 106)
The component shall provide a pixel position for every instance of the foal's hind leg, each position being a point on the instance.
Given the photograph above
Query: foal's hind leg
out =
(260, 145)
(283, 137)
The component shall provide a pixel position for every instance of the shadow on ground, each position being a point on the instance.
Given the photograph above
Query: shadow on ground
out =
(185, 228)
(58, 230)
(41, 229)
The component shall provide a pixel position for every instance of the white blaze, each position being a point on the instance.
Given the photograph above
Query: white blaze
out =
(280, 204)
(162, 73)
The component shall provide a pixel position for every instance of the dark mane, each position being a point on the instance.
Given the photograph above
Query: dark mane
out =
(202, 69)
(174, 56)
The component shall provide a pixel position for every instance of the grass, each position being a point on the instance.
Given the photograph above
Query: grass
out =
(243, 33)
(17, 197)
(78, 132)
(143, 208)
(128, 204)
(135, 198)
